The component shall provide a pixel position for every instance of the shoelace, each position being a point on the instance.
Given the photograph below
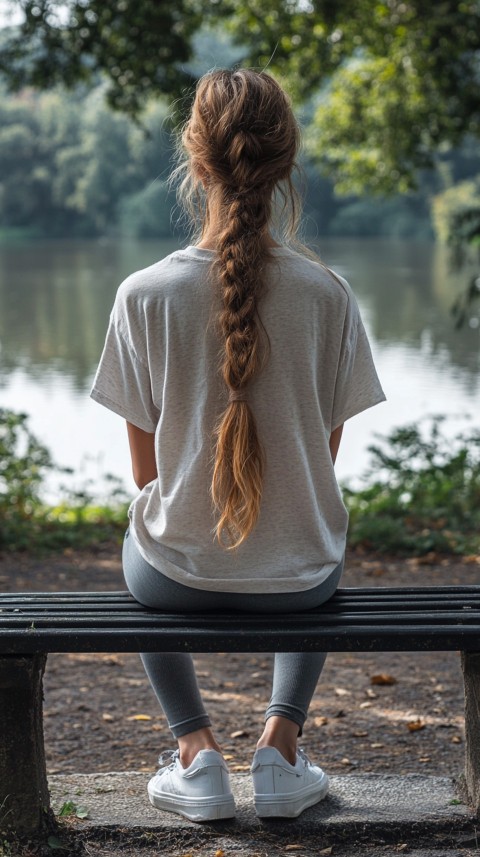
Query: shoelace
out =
(304, 757)
(173, 755)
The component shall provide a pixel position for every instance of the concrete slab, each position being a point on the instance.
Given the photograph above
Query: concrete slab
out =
(365, 807)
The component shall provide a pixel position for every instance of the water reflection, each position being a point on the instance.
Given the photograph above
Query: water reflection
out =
(406, 290)
(55, 300)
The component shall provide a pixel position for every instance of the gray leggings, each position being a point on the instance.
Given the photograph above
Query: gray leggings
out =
(172, 675)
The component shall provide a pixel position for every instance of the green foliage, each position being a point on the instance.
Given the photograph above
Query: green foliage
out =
(69, 165)
(23, 465)
(69, 808)
(139, 46)
(422, 494)
(26, 522)
(400, 217)
(402, 78)
(456, 214)
(147, 214)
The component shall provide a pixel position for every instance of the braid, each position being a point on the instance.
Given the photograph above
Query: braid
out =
(239, 459)
(241, 139)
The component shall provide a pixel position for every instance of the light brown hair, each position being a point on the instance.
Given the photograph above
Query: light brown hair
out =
(241, 141)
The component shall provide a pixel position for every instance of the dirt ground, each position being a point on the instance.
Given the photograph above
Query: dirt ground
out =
(101, 715)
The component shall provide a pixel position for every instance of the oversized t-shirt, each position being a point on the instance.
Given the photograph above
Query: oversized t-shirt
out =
(159, 370)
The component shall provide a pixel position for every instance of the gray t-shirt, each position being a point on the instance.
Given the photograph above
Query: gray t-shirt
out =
(159, 370)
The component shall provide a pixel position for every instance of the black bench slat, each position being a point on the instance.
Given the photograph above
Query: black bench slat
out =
(348, 593)
(400, 619)
(220, 639)
(23, 618)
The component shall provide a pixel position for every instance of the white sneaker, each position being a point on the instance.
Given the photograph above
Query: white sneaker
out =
(200, 792)
(282, 789)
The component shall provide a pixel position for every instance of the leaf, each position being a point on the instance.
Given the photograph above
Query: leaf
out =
(81, 812)
(67, 808)
(106, 716)
(70, 808)
(240, 733)
(340, 691)
(54, 843)
(139, 717)
(383, 678)
(415, 725)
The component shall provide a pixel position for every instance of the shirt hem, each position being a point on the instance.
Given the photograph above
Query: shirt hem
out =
(121, 411)
(247, 586)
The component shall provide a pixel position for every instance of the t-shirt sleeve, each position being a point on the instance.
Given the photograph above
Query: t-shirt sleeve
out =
(122, 381)
(357, 387)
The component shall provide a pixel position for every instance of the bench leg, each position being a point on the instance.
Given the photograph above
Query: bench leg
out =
(24, 797)
(471, 677)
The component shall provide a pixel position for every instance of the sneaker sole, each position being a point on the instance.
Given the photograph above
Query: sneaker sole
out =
(195, 809)
(290, 805)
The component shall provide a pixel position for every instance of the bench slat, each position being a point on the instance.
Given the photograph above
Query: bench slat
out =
(429, 618)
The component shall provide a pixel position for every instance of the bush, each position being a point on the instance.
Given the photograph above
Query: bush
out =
(26, 522)
(425, 493)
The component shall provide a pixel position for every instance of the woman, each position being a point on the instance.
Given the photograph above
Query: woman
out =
(235, 363)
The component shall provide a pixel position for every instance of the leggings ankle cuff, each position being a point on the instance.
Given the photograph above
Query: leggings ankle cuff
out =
(186, 726)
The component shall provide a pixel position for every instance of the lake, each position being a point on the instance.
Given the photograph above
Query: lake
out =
(55, 300)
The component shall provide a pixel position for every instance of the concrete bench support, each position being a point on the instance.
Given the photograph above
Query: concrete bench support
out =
(24, 798)
(471, 677)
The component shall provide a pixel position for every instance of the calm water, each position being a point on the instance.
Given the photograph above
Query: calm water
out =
(55, 300)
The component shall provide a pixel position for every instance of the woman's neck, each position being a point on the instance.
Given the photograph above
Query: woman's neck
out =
(209, 241)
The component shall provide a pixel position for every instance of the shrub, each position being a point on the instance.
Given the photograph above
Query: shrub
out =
(422, 494)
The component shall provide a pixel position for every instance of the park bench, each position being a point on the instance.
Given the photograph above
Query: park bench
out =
(442, 618)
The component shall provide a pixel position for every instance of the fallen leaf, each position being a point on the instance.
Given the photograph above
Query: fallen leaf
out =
(156, 727)
(139, 717)
(425, 759)
(228, 757)
(383, 678)
(106, 716)
(346, 761)
(240, 733)
(371, 693)
(376, 746)
(415, 725)
(238, 768)
(326, 851)
(359, 734)
(365, 705)
(220, 853)
(340, 691)
(294, 847)
(320, 721)
(456, 739)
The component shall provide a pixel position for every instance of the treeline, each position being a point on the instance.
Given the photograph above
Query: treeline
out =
(69, 166)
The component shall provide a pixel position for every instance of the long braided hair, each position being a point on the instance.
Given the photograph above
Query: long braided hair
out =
(241, 141)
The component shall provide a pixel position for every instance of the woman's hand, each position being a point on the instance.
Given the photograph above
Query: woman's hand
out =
(142, 451)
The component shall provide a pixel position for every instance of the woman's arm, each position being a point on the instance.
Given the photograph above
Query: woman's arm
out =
(142, 451)
(335, 439)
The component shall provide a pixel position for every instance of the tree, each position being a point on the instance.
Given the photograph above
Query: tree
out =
(398, 80)
(141, 46)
